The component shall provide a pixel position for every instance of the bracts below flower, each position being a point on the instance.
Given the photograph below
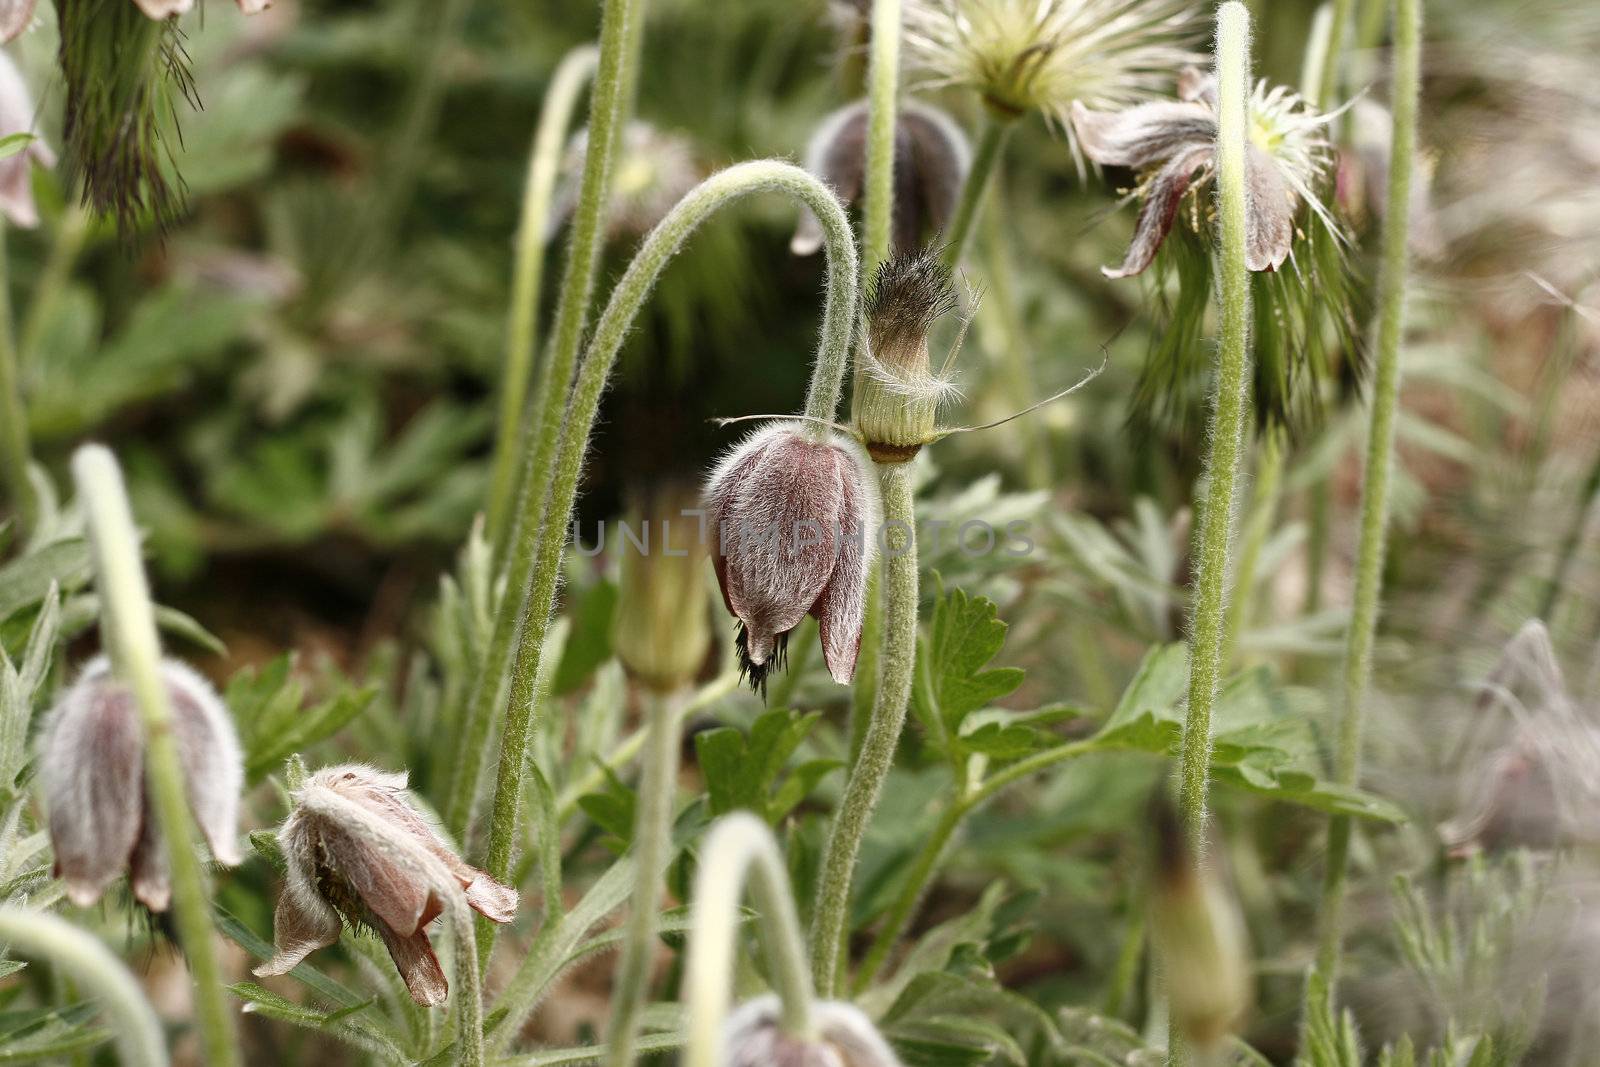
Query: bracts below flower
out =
(358, 851)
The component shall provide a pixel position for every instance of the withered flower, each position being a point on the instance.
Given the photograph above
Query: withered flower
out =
(931, 160)
(91, 765)
(358, 850)
(845, 1038)
(795, 518)
(17, 116)
(1172, 145)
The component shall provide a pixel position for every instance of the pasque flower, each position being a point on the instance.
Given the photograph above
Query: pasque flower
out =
(1043, 55)
(845, 1038)
(357, 850)
(91, 765)
(1172, 145)
(794, 515)
(17, 116)
(931, 160)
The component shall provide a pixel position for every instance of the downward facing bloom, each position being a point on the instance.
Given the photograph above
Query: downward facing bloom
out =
(795, 518)
(358, 851)
(91, 765)
(1172, 146)
(845, 1038)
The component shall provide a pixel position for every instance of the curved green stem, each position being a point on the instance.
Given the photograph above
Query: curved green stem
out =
(740, 847)
(883, 83)
(920, 874)
(128, 627)
(652, 837)
(663, 242)
(991, 143)
(15, 451)
(1380, 461)
(544, 163)
(542, 426)
(1226, 436)
(831, 921)
(90, 964)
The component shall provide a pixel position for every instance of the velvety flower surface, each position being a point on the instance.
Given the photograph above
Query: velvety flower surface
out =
(17, 116)
(358, 851)
(1172, 145)
(845, 1038)
(795, 520)
(931, 160)
(91, 765)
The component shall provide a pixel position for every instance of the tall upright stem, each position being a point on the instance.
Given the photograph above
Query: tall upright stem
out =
(652, 840)
(41, 935)
(991, 143)
(1374, 520)
(1226, 437)
(1328, 70)
(838, 316)
(128, 628)
(830, 923)
(883, 84)
(542, 426)
(522, 323)
(740, 847)
(15, 451)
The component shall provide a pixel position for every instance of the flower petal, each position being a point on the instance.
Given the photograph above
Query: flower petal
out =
(92, 769)
(160, 9)
(208, 749)
(1143, 135)
(1162, 200)
(395, 893)
(836, 153)
(148, 873)
(1269, 223)
(414, 958)
(302, 923)
(840, 609)
(15, 16)
(1198, 86)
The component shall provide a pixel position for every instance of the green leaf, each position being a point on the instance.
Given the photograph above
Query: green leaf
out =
(612, 809)
(963, 635)
(745, 773)
(1157, 689)
(13, 143)
(24, 582)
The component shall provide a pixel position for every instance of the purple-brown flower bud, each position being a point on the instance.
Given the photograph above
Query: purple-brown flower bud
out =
(356, 848)
(795, 519)
(931, 160)
(91, 765)
(845, 1038)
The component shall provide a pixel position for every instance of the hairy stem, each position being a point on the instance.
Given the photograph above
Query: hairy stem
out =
(1226, 436)
(883, 85)
(128, 628)
(541, 427)
(991, 143)
(1374, 519)
(652, 836)
(522, 324)
(740, 847)
(831, 921)
(15, 451)
(710, 196)
(97, 971)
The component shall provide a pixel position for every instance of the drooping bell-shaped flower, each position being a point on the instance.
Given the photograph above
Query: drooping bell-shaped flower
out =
(794, 517)
(357, 850)
(17, 116)
(91, 765)
(753, 1037)
(1172, 145)
(931, 160)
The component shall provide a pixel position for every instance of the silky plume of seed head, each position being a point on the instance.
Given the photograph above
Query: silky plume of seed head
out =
(897, 393)
(662, 631)
(1198, 935)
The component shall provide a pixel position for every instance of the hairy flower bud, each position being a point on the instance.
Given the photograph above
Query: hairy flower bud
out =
(91, 764)
(662, 633)
(17, 116)
(845, 1038)
(897, 395)
(795, 520)
(356, 848)
(931, 160)
(1199, 937)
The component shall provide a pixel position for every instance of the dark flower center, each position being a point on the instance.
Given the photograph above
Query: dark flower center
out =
(756, 673)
